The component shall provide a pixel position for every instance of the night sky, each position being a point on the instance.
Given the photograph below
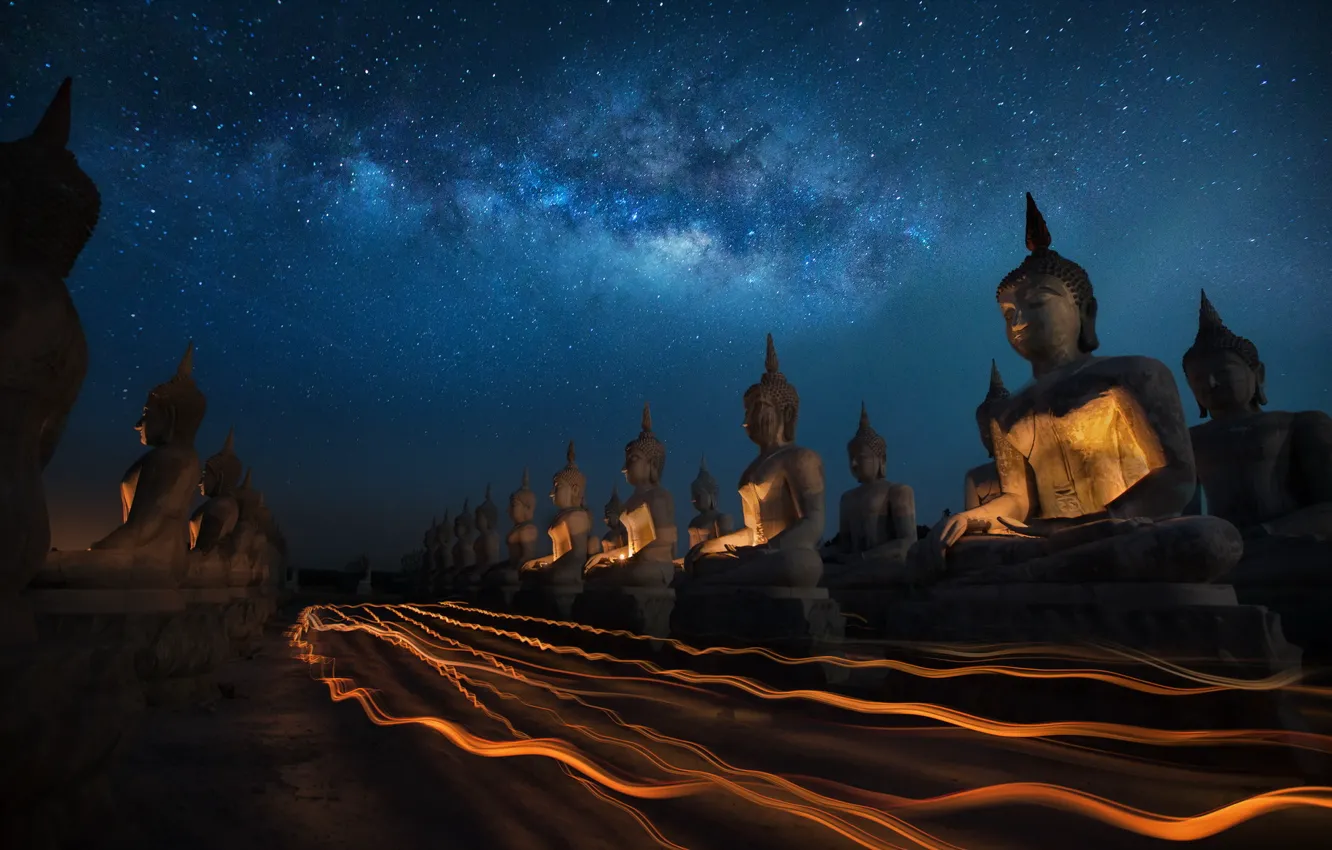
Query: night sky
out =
(421, 245)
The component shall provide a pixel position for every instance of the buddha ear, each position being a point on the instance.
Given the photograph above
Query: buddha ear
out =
(1260, 395)
(1087, 340)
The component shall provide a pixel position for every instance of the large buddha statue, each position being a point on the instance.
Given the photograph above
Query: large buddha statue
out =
(216, 518)
(647, 559)
(982, 482)
(151, 547)
(1267, 472)
(569, 531)
(877, 518)
(782, 494)
(615, 536)
(1094, 459)
(709, 522)
(48, 209)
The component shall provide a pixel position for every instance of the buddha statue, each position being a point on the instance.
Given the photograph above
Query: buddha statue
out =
(445, 572)
(1094, 459)
(48, 209)
(152, 544)
(428, 563)
(464, 546)
(523, 537)
(615, 536)
(490, 509)
(647, 558)
(487, 545)
(248, 543)
(569, 531)
(877, 518)
(1267, 472)
(216, 518)
(982, 482)
(709, 522)
(782, 495)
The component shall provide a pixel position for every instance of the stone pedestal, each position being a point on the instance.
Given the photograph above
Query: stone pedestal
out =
(175, 649)
(793, 617)
(497, 597)
(643, 611)
(245, 612)
(1293, 577)
(551, 602)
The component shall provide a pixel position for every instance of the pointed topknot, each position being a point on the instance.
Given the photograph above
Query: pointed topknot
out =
(245, 482)
(527, 479)
(770, 361)
(487, 491)
(1207, 316)
(467, 506)
(186, 366)
(702, 463)
(571, 456)
(53, 129)
(997, 389)
(647, 418)
(445, 522)
(864, 416)
(1038, 234)
(230, 444)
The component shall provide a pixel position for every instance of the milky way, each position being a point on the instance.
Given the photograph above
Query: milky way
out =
(419, 246)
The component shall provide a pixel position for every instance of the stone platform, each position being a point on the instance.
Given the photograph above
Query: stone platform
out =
(496, 597)
(551, 602)
(643, 611)
(723, 614)
(174, 646)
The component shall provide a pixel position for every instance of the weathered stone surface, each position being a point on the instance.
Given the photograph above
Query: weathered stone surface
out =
(787, 616)
(551, 602)
(641, 610)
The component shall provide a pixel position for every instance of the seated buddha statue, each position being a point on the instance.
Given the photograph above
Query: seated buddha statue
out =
(445, 571)
(709, 522)
(151, 547)
(647, 558)
(487, 545)
(48, 211)
(523, 537)
(216, 518)
(877, 518)
(490, 509)
(464, 544)
(569, 532)
(1094, 458)
(782, 495)
(615, 536)
(982, 482)
(427, 563)
(1267, 472)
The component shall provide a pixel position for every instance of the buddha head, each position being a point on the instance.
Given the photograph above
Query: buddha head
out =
(1223, 368)
(568, 485)
(703, 490)
(48, 205)
(222, 471)
(867, 451)
(483, 522)
(462, 526)
(522, 502)
(988, 410)
(645, 457)
(611, 513)
(174, 409)
(490, 509)
(431, 537)
(1047, 302)
(444, 531)
(772, 406)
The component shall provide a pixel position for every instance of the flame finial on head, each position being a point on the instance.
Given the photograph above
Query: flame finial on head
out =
(185, 369)
(53, 129)
(770, 363)
(527, 479)
(1038, 233)
(997, 391)
(1044, 260)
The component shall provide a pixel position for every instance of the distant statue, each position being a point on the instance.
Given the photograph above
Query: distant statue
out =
(48, 209)
(490, 509)
(648, 517)
(445, 571)
(464, 546)
(1094, 459)
(877, 518)
(1268, 473)
(487, 546)
(709, 522)
(782, 495)
(523, 538)
(427, 577)
(216, 518)
(982, 482)
(615, 537)
(568, 531)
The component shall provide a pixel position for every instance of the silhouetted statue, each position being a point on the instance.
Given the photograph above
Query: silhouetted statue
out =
(615, 537)
(709, 522)
(569, 531)
(216, 518)
(982, 482)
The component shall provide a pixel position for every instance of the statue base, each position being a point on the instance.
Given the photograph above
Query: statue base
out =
(175, 647)
(1293, 577)
(550, 602)
(799, 617)
(68, 711)
(497, 597)
(641, 610)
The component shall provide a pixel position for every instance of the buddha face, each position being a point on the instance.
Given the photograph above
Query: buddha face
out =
(1042, 319)
(1223, 384)
(704, 500)
(210, 483)
(637, 468)
(460, 526)
(520, 510)
(482, 522)
(565, 495)
(763, 422)
(866, 466)
(155, 425)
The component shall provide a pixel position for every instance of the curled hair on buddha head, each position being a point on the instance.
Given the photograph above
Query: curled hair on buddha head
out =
(647, 443)
(1044, 260)
(774, 389)
(571, 475)
(704, 484)
(1214, 336)
(524, 494)
(867, 437)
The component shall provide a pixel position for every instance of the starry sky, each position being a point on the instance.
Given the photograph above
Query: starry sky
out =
(420, 245)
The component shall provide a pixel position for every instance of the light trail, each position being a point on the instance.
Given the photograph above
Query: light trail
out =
(1131, 819)
(1208, 683)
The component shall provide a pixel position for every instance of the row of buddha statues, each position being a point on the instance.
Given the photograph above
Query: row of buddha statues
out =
(1094, 476)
